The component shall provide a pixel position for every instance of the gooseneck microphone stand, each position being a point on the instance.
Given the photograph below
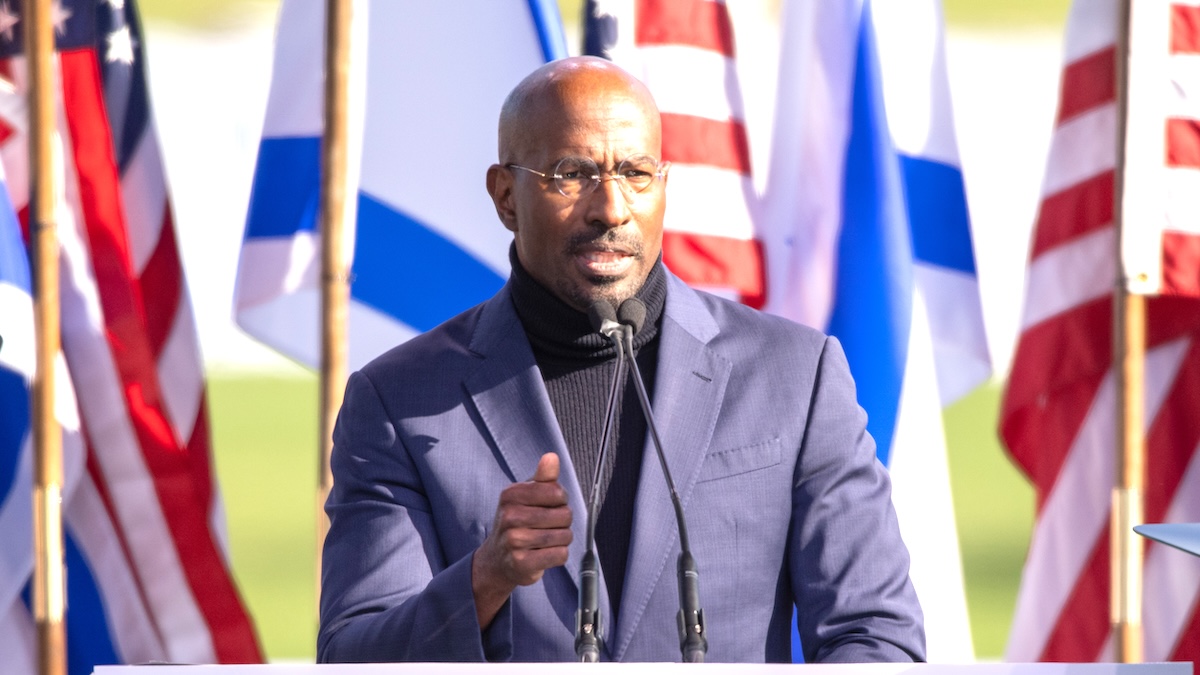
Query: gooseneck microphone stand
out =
(589, 639)
(693, 643)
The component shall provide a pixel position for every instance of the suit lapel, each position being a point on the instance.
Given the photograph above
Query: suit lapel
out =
(513, 405)
(689, 387)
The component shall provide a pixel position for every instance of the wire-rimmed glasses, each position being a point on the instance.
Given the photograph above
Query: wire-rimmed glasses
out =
(576, 177)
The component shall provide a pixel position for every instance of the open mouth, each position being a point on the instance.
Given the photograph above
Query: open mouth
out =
(603, 262)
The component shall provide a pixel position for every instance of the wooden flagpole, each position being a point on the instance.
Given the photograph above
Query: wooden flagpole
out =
(49, 590)
(1127, 501)
(335, 286)
(1129, 351)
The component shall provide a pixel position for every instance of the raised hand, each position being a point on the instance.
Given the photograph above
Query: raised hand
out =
(530, 534)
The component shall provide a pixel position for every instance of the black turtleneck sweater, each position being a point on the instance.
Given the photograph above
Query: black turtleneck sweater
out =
(577, 365)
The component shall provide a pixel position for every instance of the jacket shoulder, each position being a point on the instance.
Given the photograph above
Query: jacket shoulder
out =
(755, 331)
(435, 350)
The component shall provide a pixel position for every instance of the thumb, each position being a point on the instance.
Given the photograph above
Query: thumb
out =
(547, 468)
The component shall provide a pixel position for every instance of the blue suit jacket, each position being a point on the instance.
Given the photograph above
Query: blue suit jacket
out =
(786, 504)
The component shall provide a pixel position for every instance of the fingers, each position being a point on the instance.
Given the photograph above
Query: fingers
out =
(547, 469)
(542, 490)
(528, 517)
(531, 533)
(532, 529)
(535, 539)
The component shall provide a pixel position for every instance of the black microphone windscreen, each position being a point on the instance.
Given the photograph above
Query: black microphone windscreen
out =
(633, 313)
(599, 312)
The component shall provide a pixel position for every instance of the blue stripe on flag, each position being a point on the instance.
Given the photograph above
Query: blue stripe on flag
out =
(91, 636)
(14, 426)
(873, 294)
(408, 271)
(125, 93)
(14, 261)
(14, 389)
(287, 186)
(549, 28)
(600, 31)
(937, 214)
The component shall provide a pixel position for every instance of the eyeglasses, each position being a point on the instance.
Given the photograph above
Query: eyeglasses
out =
(576, 177)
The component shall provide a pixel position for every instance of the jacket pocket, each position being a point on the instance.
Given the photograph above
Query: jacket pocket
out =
(726, 463)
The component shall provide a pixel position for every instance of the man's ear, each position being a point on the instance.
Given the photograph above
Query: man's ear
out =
(500, 187)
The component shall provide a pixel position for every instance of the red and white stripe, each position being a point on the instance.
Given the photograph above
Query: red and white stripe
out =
(145, 511)
(1163, 149)
(1059, 408)
(1181, 234)
(684, 51)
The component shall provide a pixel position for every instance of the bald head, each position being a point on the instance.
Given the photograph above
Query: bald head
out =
(601, 242)
(565, 91)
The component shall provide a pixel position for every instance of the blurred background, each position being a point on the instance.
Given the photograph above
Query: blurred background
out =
(209, 69)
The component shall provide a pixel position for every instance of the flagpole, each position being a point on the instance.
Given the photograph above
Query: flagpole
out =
(1129, 351)
(1127, 502)
(49, 602)
(335, 287)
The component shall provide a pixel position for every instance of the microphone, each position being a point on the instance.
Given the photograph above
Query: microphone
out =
(693, 641)
(589, 638)
(632, 314)
(604, 319)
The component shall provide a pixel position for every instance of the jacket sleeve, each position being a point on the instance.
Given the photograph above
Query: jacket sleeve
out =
(387, 593)
(848, 564)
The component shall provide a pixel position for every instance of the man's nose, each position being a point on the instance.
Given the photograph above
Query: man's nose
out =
(609, 202)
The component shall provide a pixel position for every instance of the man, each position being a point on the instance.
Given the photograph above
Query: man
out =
(457, 513)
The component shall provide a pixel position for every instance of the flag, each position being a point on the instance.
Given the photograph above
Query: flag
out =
(424, 110)
(16, 454)
(1058, 412)
(684, 51)
(1161, 256)
(148, 575)
(860, 227)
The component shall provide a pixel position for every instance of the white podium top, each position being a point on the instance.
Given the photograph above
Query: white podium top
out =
(666, 669)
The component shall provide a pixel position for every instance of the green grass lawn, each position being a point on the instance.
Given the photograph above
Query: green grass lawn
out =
(986, 14)
(213, 15)
(265, 439)
(1007, 14)
(264, 431)
(993, 505)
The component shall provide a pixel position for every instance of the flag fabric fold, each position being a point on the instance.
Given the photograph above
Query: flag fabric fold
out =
(426, 243)
(1162, 151)
(17, 361)
(686, 53)
(1060, 403)
(148, 576)
(861, 227)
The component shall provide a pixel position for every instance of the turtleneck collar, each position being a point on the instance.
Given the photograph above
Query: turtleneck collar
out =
(556, 329)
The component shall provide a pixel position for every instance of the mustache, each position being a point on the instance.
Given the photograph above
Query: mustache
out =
(608, 240)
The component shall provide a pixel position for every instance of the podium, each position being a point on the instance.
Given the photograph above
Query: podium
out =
(666, 669)
(1183, 536)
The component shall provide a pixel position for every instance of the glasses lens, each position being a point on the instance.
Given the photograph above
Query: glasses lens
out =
(576, 176)
(638, 172)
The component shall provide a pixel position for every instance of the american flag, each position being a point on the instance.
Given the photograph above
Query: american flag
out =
(1162, 177)
(685, 52)
(1058, 413)
(148, 576)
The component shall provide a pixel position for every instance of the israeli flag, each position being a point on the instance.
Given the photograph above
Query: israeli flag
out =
(427, 83)
(17, 360)
(867, 234)
(91, 637)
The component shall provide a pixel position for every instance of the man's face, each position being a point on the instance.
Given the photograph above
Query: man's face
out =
(602, 244)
